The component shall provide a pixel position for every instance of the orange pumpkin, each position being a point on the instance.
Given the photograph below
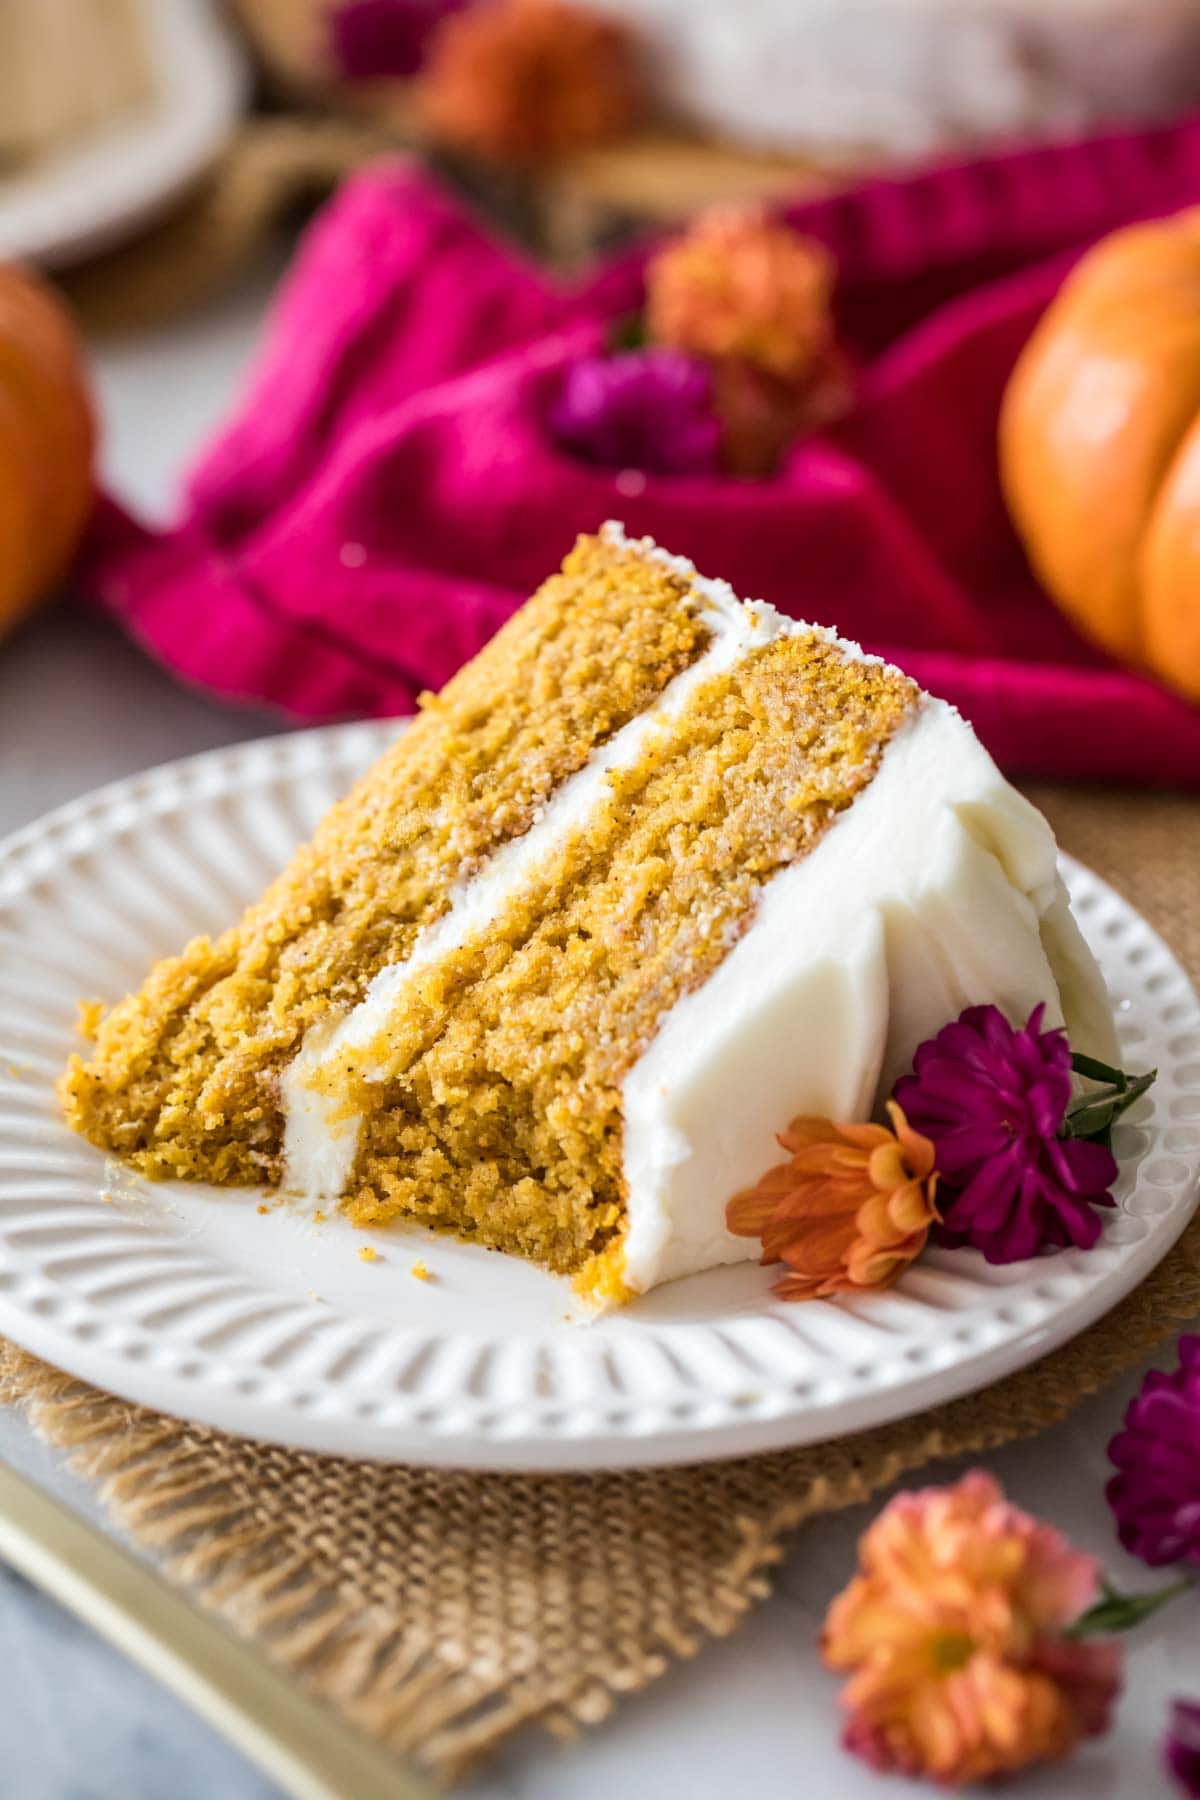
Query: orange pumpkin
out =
(1100, 448)
(47, 439)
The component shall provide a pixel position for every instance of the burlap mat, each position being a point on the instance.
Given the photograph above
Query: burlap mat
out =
(441, 1611)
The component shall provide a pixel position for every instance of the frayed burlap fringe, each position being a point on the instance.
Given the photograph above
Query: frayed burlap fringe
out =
(440, 1611)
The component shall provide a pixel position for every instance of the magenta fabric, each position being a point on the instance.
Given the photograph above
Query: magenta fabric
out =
(387, 492)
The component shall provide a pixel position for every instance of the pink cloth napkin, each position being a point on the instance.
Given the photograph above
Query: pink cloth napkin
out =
(387, 492)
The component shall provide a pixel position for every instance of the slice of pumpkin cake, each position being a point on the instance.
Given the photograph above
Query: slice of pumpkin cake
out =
(655, 873)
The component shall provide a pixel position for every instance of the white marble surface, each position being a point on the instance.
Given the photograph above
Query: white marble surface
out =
(754, 1714)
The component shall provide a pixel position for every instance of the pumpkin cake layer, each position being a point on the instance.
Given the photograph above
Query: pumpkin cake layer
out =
(656, 873)
(183, 1077)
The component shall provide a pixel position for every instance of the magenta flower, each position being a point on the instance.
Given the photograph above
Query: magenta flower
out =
(639, 409)
(994, 1102)
(1155, 1493)
(385, 39)
(1182, 1748)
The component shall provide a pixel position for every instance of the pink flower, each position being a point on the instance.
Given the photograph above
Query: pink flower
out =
(1182, 1750)
(640, 409)
(953, 1632)
(1155, 1493)
(993, 1100)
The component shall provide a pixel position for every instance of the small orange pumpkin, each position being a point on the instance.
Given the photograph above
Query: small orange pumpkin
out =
(1100, 448)
(47, 440)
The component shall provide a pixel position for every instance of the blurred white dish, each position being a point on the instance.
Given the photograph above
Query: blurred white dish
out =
(907, 78)
(100, 187)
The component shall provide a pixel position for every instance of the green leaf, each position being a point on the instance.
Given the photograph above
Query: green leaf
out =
(1121, 1612)
(1097, 1071)
(1094, 1114)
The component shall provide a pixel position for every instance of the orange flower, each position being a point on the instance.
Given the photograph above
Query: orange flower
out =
(517, 81)
(953, 1631)
(851, 1210)
(740, 284)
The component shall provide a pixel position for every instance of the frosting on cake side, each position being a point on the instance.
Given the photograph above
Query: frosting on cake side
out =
(938, 889)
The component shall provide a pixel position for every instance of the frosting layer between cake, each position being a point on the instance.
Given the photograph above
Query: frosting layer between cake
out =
(532, 884)
(320, 1136)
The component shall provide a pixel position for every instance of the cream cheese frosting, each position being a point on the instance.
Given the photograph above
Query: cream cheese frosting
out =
(956, 901)
(938, 888)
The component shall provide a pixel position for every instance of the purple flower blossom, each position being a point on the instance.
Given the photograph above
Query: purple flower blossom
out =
(1182, 1748)
(993, 1100)
(1155, 1493)
(374, 39)
(640, 409)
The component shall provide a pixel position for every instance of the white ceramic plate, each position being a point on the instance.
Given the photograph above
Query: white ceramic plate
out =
(104, 185)
(190, 1300)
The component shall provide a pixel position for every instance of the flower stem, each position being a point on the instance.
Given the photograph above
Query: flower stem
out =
(1121, 1612)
